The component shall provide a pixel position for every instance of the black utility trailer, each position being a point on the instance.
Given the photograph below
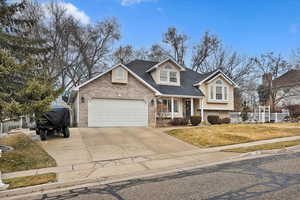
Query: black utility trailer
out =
(55, 121)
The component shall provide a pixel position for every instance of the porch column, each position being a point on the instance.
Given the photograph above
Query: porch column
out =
(172, 107)
(192, 107)
(202, 110)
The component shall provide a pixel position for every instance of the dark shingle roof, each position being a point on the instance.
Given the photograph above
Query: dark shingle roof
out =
(188, 79)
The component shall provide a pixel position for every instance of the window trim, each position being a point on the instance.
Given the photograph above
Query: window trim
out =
(168, 81)
(160, 75)
(176, 76)
(213, 91)
(169, 103)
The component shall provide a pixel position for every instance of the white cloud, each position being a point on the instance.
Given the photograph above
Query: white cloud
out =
(131, 2)
(72, 10)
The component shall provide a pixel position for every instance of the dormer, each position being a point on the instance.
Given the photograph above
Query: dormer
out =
(166, 72)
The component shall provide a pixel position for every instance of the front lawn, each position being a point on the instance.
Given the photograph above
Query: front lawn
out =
(27, 155)
(220, 135)
(30, 180)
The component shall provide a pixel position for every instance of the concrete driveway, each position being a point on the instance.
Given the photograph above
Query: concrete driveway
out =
(98, 144)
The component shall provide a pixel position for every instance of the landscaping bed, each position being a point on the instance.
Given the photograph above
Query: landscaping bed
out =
(220, 135)
(27, 154)
(30, 180)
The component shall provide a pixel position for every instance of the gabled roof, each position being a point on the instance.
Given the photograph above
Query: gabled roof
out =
(110, 69)
(188, 85)
(289, 79)
(166, 60)
(212, 75)
(188, 79)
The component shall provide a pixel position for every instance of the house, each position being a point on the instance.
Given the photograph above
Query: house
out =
(288, 88)
(141, 92)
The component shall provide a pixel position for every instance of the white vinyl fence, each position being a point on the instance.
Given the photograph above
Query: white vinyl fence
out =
(8, 125)
(235, 117)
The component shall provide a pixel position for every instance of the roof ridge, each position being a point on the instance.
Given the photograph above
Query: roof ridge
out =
(143, 61)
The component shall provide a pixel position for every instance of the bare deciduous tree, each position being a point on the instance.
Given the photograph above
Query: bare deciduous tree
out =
(271, 67)
(157, 53)
(176, 43)
(202, 51)
(79, 51)
(94, 44)
(123, 54)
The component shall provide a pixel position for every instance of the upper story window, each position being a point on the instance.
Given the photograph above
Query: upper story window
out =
(173, 77)
(169, 75)
(219, 91)
(163, 76)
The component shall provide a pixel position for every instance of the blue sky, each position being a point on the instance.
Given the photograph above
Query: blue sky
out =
(248, 26)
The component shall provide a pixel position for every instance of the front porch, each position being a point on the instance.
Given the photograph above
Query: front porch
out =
(171, 107)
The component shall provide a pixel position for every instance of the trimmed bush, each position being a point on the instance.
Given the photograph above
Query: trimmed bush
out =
(213, 119)
(226, 120)
(179, 122)
(195, 120)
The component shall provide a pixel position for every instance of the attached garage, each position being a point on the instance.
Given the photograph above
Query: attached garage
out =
(117, 113)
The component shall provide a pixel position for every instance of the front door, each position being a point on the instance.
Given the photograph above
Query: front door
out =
(187, 109)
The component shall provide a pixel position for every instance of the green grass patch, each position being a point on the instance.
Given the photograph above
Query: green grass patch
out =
(30, 180)
(277, 145)
(221, 135)
(27, 154)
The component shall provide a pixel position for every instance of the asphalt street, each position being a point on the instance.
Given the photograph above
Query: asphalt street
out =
(274, 177)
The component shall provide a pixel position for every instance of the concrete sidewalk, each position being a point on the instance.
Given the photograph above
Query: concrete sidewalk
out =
(107, 168)
(95, 171)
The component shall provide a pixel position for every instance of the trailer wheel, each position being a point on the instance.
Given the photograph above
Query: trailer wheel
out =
(43, 135)
(66, 132)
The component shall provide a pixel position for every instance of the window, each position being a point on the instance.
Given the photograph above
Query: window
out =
(218, 91)
(163, 76)
(175, 106)
(173, 77)
(168, 75)
(219, 82)
(165, 106)
(168, 66)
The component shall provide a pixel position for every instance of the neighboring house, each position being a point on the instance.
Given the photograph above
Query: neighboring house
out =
(141, 92)
(288, 88)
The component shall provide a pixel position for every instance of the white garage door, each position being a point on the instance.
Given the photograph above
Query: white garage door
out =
(110, 113)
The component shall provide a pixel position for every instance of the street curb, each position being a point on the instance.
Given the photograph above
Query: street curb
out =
(45, 187)
(21, 193)
(73, 167)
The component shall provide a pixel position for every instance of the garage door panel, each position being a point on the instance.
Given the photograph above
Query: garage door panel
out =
(110, 112)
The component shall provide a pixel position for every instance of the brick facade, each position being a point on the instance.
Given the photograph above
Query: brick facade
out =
(103, 88)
